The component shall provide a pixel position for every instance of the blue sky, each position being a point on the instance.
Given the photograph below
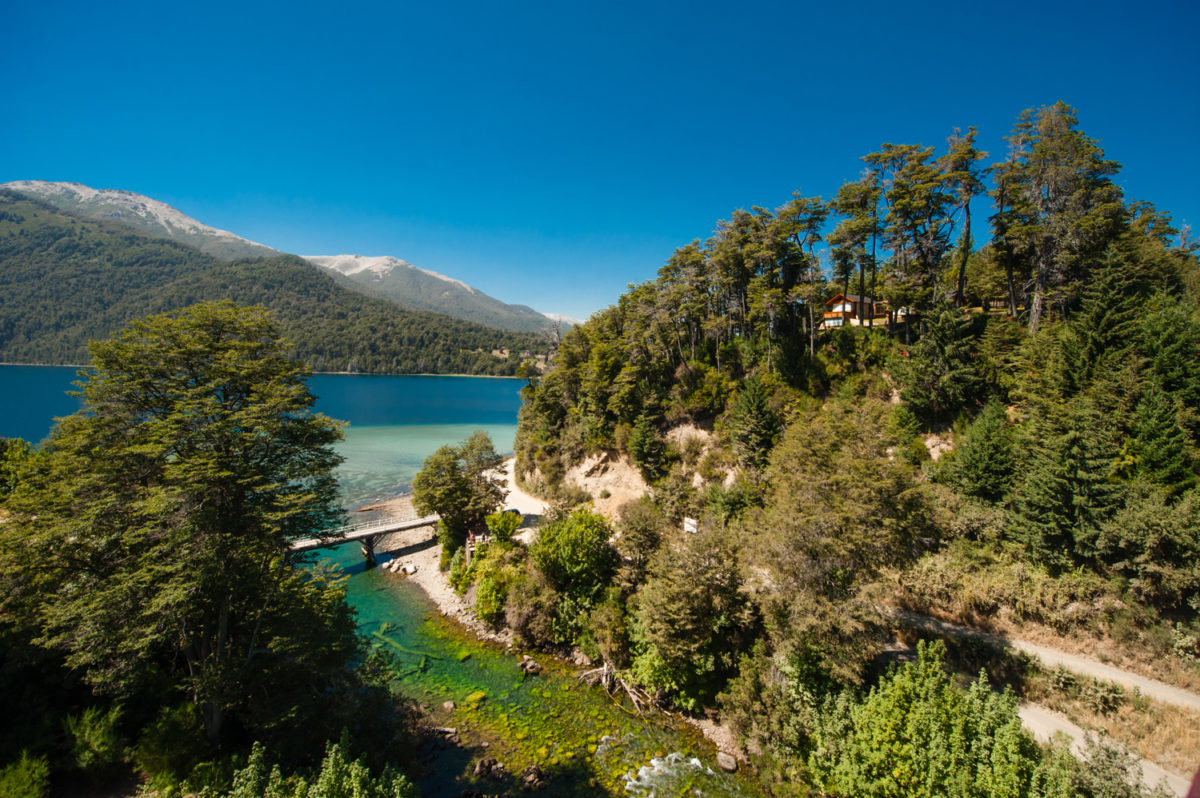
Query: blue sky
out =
(550, 154)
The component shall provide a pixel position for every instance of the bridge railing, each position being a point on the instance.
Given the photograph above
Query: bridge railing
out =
(338, 531)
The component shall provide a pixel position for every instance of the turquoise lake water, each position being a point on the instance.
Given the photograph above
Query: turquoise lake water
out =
(589, 744)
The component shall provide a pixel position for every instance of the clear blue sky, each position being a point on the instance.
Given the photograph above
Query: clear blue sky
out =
(549, 154)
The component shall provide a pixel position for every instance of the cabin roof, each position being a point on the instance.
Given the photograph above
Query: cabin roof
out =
(855, 298)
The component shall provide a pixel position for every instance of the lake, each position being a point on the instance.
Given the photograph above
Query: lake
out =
(589, 744)
(394, 422)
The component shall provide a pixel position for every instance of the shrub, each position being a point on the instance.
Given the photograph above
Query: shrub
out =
(171, 747)
(503, 525)
(28, 777)
(96, 742)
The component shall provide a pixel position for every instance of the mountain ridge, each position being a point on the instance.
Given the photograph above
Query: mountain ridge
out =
(399, 281)
(143, 213)
(382, 277)
(65, 280)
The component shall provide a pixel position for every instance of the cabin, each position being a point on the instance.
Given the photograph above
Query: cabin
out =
(853, 310)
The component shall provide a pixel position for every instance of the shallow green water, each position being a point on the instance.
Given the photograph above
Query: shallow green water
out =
(585, 742)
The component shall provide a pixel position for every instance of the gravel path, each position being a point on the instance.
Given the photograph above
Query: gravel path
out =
(1051, 657)
(1044, 723)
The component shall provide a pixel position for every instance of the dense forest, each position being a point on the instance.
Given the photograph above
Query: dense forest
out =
(67, 280)
(1011, 438)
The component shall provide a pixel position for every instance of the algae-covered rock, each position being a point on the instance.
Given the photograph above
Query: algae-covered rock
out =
(476, 697)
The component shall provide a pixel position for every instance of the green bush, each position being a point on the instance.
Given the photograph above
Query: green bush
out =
(96, 742)
(171, 747)
(503, 525)
(28, 777)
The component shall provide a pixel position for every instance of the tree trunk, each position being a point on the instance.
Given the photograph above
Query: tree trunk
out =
(1012, 285)
(966, 252)
(1039, 290)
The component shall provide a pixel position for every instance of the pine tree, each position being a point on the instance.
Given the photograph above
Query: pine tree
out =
(983, 464)
(754, 426)
(1158, 446)
(939, 375)
(1066, 495)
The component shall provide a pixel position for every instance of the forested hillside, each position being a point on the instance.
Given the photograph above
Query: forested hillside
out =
(1011, 439)
(66, 280)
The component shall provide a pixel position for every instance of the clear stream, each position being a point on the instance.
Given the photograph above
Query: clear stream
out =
(583, 741)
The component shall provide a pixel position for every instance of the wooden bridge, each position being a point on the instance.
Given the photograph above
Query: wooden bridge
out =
(366, 534)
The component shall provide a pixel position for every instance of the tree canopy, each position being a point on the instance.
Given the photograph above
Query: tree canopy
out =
(147, 542)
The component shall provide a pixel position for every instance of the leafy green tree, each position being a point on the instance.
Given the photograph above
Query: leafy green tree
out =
(1154, 541)
(693, 618)
(503, 525)
(838, 509)
(149, 540)
(641, 528)
(918, 734)
(574, 554)
(13, 452)
(461, 484)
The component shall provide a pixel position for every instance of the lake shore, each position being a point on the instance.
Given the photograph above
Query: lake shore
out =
(419, 548)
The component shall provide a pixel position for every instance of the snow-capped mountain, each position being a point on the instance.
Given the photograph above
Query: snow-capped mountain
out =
(422, 289)
(142, 213)
(385, 277)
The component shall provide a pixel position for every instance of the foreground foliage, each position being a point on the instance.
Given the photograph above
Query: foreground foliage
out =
(145, 551)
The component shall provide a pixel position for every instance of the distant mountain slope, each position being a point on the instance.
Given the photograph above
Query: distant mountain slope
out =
(65, 280)
(141, 213)
(382, 277)
(421, 289)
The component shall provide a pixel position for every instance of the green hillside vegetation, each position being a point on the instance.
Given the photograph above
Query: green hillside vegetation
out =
(66, 280)
(1059, 365)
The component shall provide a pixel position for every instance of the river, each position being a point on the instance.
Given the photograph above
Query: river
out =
(585, 742)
